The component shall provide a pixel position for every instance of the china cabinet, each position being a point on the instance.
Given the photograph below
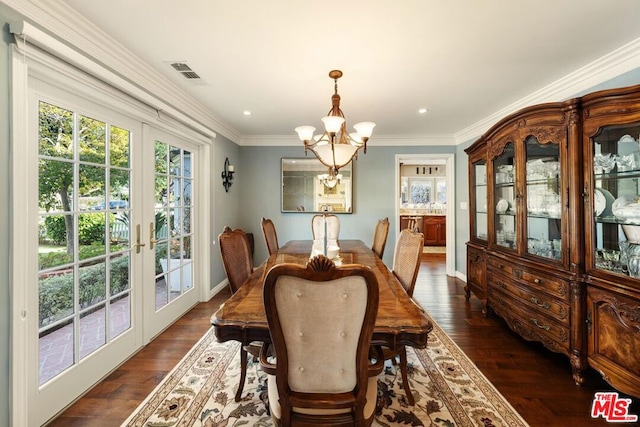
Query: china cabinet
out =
(611, 128)
(521, 261)
(554, 243)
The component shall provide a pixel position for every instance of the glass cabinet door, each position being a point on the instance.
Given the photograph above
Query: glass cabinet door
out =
(544, 202)
(504, 198)
(480, 186)
(616, 206)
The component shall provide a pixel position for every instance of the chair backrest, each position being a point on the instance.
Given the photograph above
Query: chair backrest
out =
(333, 227)
(321, 320)
(270, 235)
(380, 236)
(236, 256)
(406, 259)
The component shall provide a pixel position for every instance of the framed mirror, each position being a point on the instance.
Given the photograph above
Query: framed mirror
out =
(304, 191)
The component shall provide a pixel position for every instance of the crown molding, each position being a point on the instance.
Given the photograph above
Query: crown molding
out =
(376, 141)
(76, 32)
(613, 64)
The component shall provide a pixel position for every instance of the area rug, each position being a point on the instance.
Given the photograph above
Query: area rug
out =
(448, 388)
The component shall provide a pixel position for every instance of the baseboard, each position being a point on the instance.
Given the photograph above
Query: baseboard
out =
(219, 287)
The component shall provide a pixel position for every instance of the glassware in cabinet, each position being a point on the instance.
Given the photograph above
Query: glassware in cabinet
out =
(481, 199)
(504, 198)
(616, 200)
(543, 199)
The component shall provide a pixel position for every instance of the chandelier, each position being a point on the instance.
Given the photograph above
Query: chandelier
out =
(335, 147)
(330, 180)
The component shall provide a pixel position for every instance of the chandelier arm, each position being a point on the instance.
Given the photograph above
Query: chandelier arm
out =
(333, 152)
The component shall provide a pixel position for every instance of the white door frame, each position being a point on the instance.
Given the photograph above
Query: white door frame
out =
(22, 344)
(449, 160)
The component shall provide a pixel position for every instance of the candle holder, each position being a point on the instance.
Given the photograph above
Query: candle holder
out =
(324, 240)
(227, 175)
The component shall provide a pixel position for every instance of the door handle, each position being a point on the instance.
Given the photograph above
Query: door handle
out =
(152, 235)
(138, 245)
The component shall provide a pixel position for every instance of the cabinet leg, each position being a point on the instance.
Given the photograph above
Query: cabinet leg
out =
(578, 368)
(467, 292)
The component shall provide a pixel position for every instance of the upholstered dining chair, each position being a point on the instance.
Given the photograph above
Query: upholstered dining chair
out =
(238, 264)
(333, 228)
(406, 264)
(322, 373)
(270, 235)
(380, 237)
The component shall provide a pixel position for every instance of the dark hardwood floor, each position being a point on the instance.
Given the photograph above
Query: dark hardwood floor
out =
(536, 382)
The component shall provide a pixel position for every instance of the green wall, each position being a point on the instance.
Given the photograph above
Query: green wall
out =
(373, 194)
(225, 207)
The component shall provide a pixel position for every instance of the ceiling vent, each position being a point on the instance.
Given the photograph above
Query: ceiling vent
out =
(186, 71)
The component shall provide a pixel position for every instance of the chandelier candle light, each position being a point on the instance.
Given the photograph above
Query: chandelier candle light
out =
(335, 148)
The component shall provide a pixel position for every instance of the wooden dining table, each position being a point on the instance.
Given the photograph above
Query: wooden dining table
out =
(400, 321)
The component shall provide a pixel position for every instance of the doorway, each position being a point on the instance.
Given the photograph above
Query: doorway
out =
(425, 199)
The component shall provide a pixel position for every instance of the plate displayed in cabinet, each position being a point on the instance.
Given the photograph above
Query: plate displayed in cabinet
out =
(627, 209)
(602, 201)
(502, 206)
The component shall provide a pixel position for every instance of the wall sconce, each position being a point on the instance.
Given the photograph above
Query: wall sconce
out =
(227, 175)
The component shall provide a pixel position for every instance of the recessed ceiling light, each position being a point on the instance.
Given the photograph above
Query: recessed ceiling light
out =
(246, 112)
(423, 111)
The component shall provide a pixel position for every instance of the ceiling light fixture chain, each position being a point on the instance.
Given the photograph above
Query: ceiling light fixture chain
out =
(336, 147)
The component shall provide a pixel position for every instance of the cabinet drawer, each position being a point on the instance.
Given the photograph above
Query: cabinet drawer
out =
(431, 220)
(501, 265)
(552, 285)
(536, 301)
(529, 324)
(531, 278)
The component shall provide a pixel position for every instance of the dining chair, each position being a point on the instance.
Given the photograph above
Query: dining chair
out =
(322, 373)
(380, 237)
(270, 235)
(237, 260)
(406, 264)
(333, 227)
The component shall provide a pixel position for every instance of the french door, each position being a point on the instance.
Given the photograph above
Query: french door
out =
(110, 229)
(171, 162)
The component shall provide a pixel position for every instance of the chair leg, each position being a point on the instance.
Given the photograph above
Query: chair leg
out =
(405, 378)
(243, 372)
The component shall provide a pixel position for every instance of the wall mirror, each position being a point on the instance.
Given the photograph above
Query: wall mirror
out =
(304, 191)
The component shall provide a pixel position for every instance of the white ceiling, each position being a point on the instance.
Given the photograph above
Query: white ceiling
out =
(464, 60)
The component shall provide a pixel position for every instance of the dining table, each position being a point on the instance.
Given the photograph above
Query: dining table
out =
(399, 321)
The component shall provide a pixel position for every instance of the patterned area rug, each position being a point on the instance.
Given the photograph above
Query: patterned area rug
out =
(448, 388)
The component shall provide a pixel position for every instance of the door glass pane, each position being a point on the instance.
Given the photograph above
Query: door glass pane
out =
(174, 203)
(79, 250)
(119, 289)
(92, 330)
(616, 207)
(544, 204)
(480, 185)
(504, 190)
